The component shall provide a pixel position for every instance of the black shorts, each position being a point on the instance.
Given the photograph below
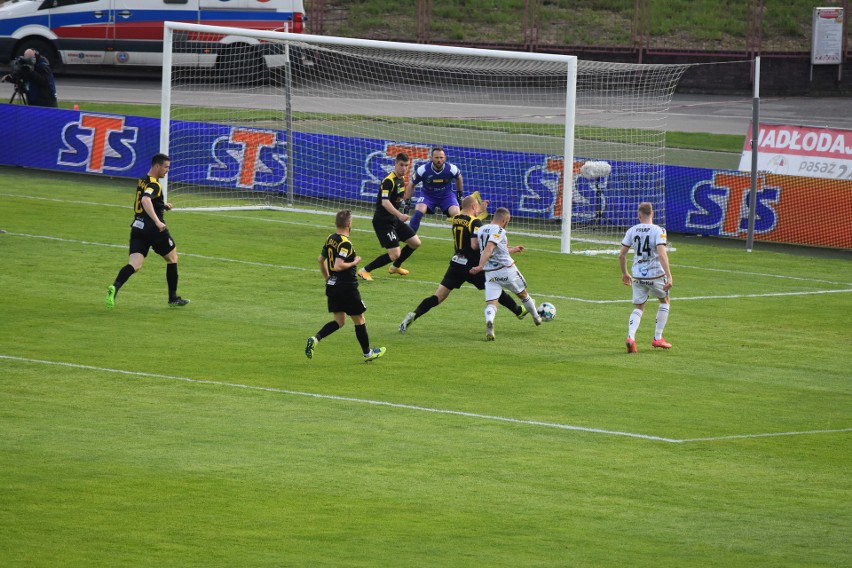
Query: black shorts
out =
(391, 232)
(346, 299)
(150, 238)
(457, 274)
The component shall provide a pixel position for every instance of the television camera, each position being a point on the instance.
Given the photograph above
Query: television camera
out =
(22, 69)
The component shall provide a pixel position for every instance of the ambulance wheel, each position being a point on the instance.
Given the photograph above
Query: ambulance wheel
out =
(42, 46)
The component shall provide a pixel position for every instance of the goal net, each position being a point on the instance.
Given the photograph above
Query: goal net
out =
(313, 123)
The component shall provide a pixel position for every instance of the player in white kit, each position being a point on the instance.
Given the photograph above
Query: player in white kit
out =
(650, 274)
(500, 270)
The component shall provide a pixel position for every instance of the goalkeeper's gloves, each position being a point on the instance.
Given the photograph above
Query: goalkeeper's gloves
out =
(459, 195)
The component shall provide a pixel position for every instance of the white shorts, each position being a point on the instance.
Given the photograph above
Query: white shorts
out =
(642, 289)
(509, 279)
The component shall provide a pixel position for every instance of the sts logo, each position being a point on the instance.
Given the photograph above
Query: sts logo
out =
(380, 164)
(542, 192)
(99, 143)
(720, 206)
(249, 159)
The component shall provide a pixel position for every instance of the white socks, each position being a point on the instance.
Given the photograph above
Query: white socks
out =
(529, 304)
(633, 324)
(662, 318)
(490, 312)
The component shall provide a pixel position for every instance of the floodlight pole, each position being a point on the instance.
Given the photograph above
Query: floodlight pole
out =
(755, 135)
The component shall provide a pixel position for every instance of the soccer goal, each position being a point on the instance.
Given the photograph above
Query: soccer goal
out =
(313, 123)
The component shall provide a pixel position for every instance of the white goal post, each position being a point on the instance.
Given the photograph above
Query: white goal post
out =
(313, 123)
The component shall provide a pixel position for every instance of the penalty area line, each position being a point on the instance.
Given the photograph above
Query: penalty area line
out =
(338, 398)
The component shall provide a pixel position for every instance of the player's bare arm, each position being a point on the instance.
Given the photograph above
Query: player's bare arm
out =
(149, 209)
(394, 211)
(486, 254)
(626, 279)
(323, 267)
(664, 262)
(340, 265)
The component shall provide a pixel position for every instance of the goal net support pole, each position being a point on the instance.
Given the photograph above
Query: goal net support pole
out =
(567, 188)
(166, 103)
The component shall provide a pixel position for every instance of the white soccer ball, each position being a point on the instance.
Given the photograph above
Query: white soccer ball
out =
(547, 311)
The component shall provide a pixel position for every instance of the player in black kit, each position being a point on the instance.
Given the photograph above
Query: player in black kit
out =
(465, 226)
(389, 223)
(337, 263)
(149, 231)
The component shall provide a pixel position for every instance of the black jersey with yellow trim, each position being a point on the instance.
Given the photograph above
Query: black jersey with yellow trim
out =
(337, 245)
(392, 189)
(464, 228)
(151, 187)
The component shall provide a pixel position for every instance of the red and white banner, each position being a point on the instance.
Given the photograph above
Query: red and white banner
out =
(801, 151)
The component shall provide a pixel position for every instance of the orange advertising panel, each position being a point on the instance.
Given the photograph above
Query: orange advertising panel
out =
(790, 209)
(811, 211)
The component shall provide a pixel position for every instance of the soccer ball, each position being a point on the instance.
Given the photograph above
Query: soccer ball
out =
(547, 311)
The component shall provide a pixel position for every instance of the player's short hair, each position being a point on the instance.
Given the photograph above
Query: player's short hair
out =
(343, 219)
(436, 149)
(160, 159)
(501, 213)
(646, 209)
(402, 157)
(468, 202)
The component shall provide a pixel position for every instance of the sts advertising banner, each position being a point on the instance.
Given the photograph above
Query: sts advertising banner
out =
(790, 208)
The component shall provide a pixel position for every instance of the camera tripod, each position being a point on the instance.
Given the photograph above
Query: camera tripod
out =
(19, 96)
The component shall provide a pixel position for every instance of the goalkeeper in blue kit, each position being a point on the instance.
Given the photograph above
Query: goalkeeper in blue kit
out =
(437, 178)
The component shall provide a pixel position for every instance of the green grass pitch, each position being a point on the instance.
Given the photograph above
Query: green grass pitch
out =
(202, 436)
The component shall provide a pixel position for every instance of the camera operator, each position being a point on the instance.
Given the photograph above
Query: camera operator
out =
(32, 72)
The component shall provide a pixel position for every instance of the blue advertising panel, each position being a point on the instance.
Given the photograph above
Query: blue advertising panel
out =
(74, 141)
(714, 202)
(351, 168)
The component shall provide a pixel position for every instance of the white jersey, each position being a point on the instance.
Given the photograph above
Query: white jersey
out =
(644, 239)
(500, 257)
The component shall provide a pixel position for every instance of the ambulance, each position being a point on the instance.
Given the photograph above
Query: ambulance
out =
(130, 32)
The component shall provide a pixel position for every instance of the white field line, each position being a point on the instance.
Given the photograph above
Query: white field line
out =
(413, 281)
(472, 415)
(216, 258)
(766, 435)
(345, 399)
(370, 231)
(762, 274)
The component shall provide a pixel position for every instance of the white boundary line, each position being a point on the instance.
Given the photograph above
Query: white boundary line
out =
(343, 399)
(283, 221)
(543, 295)
(415, 408)
(766, 435)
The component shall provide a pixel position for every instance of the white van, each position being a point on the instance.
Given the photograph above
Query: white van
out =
(128, 32)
